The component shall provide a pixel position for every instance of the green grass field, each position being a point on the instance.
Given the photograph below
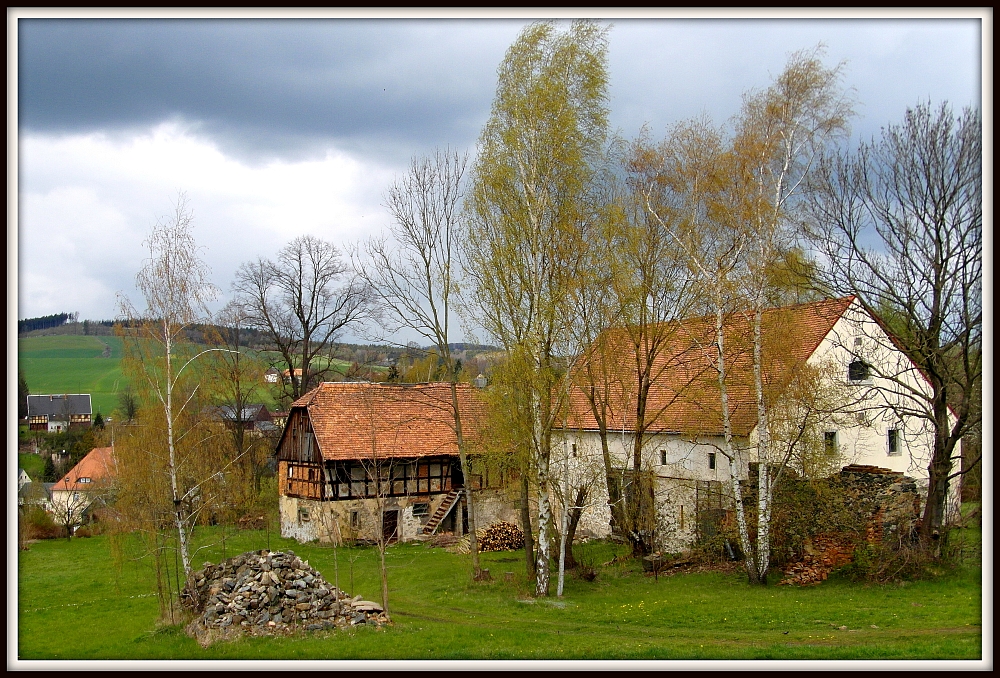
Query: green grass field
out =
(73, 364)
(73, 604)
(33, 464)
(76, 364)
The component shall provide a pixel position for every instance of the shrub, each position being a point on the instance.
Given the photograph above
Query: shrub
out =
(881, 563)
(38, 524)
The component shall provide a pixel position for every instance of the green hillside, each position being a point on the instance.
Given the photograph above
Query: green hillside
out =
(73, 364)
(78, 364)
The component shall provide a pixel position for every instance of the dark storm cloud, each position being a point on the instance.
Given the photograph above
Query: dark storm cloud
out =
(264, 86)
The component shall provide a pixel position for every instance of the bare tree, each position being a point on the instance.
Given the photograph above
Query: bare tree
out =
(296, 301)
(236, 385)
(899, 224)
(415, 276)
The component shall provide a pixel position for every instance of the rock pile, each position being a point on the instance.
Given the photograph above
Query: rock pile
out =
(263, 592)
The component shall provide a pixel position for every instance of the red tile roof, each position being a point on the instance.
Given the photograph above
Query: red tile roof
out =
(684, 396)
(98, 465)
(359, 420)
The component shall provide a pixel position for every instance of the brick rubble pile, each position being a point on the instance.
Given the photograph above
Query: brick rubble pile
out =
(263, 592)
(828, 552)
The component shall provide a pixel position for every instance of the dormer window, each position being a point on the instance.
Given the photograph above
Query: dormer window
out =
(84, 479)
(858, 371)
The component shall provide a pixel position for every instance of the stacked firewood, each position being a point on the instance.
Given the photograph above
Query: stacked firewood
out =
(827, 554)
(502, 536)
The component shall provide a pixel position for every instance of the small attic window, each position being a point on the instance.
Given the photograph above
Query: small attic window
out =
(84, 479)
(858, 371)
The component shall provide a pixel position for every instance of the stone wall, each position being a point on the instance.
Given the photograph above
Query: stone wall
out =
(356, 519)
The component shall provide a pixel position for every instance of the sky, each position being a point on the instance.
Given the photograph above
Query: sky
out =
(280, 127)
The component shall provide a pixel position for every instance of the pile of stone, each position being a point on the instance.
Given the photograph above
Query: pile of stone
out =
(264, 592)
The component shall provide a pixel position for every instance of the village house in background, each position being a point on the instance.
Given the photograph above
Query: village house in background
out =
(359, 459)
(84, 488)
(683, 450)
(59, 412)
(254, 417)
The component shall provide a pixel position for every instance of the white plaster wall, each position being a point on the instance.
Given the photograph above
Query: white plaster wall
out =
(896, 386)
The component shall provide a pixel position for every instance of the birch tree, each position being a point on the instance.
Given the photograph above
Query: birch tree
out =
(414, 275)
(526, 208)
(174, 283)
(739, 199)
(780, 134)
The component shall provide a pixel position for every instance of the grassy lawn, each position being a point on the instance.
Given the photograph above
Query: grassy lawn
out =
(34, 464)
(73, 364)
(73, 604)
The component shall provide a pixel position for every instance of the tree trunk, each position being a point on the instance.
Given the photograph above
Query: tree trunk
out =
(470, 502)
(529, 542)
(574, 520)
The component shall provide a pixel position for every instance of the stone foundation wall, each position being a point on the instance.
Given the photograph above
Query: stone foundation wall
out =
(337, 521)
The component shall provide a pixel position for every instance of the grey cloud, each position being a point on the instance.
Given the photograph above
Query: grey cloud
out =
(264, 86)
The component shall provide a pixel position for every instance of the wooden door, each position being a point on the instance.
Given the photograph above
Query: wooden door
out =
(390, 523)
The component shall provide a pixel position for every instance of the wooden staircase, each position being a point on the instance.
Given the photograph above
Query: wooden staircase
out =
(442, 512)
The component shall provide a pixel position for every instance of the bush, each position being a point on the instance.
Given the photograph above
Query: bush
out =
(38, 524)
(881, 563)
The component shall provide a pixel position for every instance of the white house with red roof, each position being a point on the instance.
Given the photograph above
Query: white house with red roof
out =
(87, 482)
(864, 406)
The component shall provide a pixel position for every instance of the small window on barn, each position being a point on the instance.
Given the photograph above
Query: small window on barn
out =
(291, 471)
(858, 371)
(893, 442)
(574, 450)
(663, 457)
(830, 442)
(711, 461)
(355, 520)
(422, 509)
(303, 515)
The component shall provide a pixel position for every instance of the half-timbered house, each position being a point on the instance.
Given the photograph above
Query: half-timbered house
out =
(359, 459)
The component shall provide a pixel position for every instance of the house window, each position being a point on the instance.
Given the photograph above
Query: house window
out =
(830, 442)
(291, 471)
(421, 509)
(303, 515)
(663, 457)
(84, 479)
(355, 520)
(893, 440)
(711, 461)
(858, 370)
(574, 450)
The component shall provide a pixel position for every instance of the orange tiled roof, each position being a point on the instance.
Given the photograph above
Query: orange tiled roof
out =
(357, 420)
(684, 396)
(98, 465)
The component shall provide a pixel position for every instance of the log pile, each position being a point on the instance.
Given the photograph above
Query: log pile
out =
(502, 536)
(264, 592)
(826, 554)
